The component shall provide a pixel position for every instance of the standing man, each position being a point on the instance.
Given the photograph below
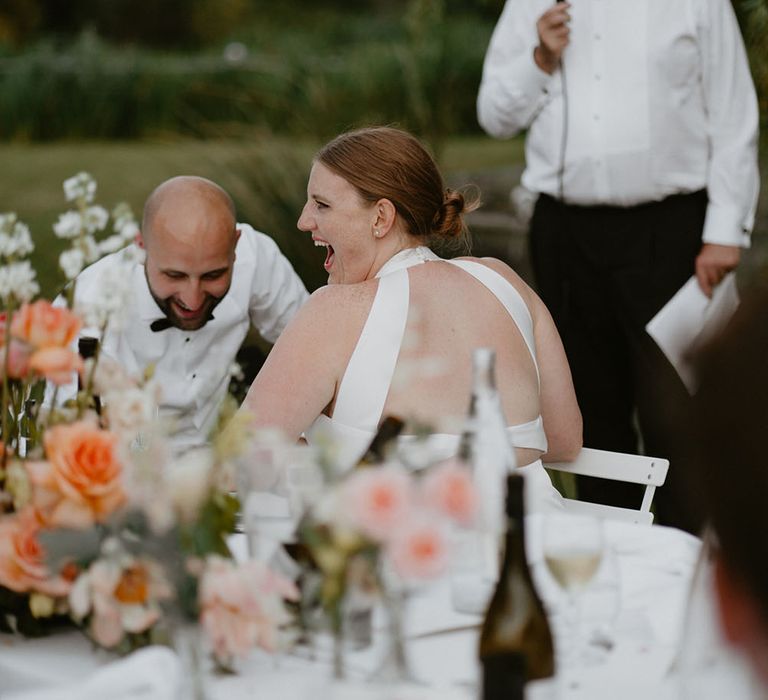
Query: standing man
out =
(203, 282)
(642, 145)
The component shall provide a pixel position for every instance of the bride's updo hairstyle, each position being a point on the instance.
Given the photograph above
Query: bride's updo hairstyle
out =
(387, 163)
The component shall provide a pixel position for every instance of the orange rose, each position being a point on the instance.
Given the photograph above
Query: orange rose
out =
(43, 325)
(22, 558)
(57, 365)
(82, 480)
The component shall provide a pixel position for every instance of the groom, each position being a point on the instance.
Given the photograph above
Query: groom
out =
(204, 281)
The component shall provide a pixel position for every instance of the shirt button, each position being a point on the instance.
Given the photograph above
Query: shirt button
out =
(597, 36)
(193, 376)
(186, 340)
(596, 117)
(597, 77)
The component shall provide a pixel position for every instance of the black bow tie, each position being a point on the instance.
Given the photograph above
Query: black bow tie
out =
(160, 324)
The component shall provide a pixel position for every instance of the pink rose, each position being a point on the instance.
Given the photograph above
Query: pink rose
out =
(376, 500)
(18, 354)
(43, 325)
(419, 549)
(449, 489)
(57, 365)
(242, 606)
(22, 558)
(82, 480)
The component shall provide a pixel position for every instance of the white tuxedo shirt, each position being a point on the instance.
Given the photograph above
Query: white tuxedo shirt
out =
(193, 367)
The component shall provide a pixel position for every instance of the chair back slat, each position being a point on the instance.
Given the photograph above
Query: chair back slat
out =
(604, 464)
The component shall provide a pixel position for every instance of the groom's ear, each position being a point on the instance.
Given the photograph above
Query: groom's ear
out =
(139, 240)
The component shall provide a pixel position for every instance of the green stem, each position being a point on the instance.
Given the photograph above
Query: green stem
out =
(6, 386)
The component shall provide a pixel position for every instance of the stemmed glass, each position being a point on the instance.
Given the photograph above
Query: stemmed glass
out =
(573, 548)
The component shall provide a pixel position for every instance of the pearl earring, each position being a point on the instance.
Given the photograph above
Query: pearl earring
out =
(377, 233)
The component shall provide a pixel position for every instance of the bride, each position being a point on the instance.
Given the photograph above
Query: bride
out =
(394, 330)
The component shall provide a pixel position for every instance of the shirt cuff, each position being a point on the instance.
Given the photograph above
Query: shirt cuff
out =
(722, 225)
(533, 79)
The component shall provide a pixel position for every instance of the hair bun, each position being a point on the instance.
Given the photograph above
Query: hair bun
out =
(449, 221)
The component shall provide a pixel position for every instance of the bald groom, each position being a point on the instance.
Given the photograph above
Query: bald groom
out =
(204, 282)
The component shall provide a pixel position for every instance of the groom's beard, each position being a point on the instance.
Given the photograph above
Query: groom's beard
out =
(187, 324)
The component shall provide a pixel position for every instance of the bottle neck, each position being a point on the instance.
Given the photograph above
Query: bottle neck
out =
(483, 371)
(514, 549)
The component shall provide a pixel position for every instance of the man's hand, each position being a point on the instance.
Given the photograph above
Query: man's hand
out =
(712, 264)
(554, 36)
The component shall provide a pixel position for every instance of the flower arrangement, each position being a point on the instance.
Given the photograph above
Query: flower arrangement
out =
(385, 517)
(100, 525)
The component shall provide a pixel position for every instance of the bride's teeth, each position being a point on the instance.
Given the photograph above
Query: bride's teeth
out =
(319, 244)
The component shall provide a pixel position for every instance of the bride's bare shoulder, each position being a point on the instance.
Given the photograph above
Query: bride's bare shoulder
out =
(341, 301)
(507, 273)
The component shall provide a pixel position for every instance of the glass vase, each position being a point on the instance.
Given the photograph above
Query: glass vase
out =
(189, 643)
(395, 667)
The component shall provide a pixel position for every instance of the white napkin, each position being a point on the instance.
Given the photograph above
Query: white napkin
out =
(689, 319)
(153, 673)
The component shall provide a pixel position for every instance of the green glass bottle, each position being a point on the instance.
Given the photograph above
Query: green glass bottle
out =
(515, 639)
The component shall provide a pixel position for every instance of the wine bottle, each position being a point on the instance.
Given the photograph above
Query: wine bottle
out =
(383, 442)
(515, 639)
(491, 455)
(87, 347)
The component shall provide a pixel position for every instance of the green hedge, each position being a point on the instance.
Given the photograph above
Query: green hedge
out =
(394, 74)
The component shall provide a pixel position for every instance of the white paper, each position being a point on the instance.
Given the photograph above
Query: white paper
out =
(689, 319)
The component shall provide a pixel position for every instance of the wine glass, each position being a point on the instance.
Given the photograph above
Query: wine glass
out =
(573, 549)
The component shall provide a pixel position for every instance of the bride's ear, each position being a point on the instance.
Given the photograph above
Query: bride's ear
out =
(385, 216)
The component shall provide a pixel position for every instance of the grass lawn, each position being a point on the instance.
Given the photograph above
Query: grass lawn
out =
(32, 175)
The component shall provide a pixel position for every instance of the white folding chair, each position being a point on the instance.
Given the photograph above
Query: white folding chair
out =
(636, 469)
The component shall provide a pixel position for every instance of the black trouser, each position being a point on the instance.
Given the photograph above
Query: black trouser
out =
(604, 272)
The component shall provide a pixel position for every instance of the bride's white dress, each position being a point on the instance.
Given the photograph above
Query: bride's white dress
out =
(363, 390)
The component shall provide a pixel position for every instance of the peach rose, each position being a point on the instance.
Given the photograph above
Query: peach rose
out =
(22, 558)
(419, 548)
(44, 326)
(449, 489)
(376, 500)
(57, 365)
(82, 480)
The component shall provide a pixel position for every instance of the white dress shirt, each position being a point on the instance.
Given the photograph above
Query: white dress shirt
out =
(193, 367)
(660, 101)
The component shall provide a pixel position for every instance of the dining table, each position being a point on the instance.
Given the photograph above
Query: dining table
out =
(649, 620)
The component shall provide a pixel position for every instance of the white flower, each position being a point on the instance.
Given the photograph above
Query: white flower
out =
(109, 376)
(7, 221)
(189, 479)
(69, 225)
(111, 244)
(128, 230)
(111, 302)
(90, 248)
(71, 262)
(17, 281)
(15, 240)
(236, 372)
(124, 222)
(82, 186)
(95, 218)
(129, 410)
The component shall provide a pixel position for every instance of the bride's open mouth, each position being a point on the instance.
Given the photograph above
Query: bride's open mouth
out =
(329, 253)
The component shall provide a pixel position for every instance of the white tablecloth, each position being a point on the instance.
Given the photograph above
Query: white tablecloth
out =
(645, 615)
